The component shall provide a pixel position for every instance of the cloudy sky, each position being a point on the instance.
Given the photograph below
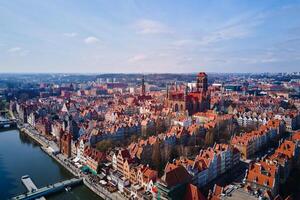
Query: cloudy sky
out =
(99, 36)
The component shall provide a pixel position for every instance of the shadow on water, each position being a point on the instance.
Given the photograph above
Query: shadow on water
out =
(6, 182)
(25, 139)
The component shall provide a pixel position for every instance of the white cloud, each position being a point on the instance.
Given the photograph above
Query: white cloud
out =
(236, 28)
(14, 49)
(91, 40)
(18, 51)
(146, 26)
(180, 43)
(137, 58)
(235, 32)
(72, 34)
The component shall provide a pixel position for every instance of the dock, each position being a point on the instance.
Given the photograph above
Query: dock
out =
(38, 193)
(30, 186)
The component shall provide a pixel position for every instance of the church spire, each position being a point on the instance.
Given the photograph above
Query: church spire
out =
(167, 88)
(143, 86)
(186, 92)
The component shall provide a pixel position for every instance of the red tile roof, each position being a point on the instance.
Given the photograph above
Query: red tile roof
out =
(263, 173)
(193, 193)
(287, 148)
(175, 175)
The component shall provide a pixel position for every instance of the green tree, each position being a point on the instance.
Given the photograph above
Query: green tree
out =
(104, 145)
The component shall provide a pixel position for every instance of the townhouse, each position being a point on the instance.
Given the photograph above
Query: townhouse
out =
(267, 174)
(65, 144)
(172, 185)
(93, 158)
(210, 163)
(263, 175)
(250, 143)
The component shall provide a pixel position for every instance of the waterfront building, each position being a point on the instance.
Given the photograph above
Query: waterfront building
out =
(93, 158)
(31, 119)
(146, 177)
(56, 129)
(65, 144)
(80, 149)
(43, 126)
(120, 158)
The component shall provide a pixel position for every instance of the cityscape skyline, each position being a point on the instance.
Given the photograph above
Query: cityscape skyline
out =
(150, 100)
(147, 37)
(156, 136)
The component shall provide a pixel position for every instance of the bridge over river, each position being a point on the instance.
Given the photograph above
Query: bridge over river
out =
(6, 123)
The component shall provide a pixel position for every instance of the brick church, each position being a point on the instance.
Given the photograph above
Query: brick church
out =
(196, 99)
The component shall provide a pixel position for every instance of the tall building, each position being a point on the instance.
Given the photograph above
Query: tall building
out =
(196, 100)
(143, 86)
(143, 96)
(65, 144)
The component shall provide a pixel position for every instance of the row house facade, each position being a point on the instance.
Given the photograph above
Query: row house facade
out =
(292, 120)
(137, 174)
(250, 143)
(31, 119)
(80, 146)
(210, 163)
(43, 125)
(93, 158)
(65, 144)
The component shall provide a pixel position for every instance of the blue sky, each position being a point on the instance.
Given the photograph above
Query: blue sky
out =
(99, 36)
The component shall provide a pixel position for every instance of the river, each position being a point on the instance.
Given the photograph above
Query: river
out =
(20, 155)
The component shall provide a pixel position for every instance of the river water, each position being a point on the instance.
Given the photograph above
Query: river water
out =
(20, 155)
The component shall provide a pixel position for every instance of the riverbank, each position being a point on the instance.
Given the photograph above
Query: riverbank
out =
(44, 144)
(20, 155)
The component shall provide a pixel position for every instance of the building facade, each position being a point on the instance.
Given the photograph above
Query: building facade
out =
(196, 100)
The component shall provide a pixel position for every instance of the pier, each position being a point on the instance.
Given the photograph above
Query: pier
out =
(39, 193)
(30, 186)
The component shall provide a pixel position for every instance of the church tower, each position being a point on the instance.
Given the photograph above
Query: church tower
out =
(202, 85)
(143, 87)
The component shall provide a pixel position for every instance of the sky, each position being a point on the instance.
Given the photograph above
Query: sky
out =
(149, 36)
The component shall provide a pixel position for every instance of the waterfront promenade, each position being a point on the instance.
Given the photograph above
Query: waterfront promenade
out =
(45, 144)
